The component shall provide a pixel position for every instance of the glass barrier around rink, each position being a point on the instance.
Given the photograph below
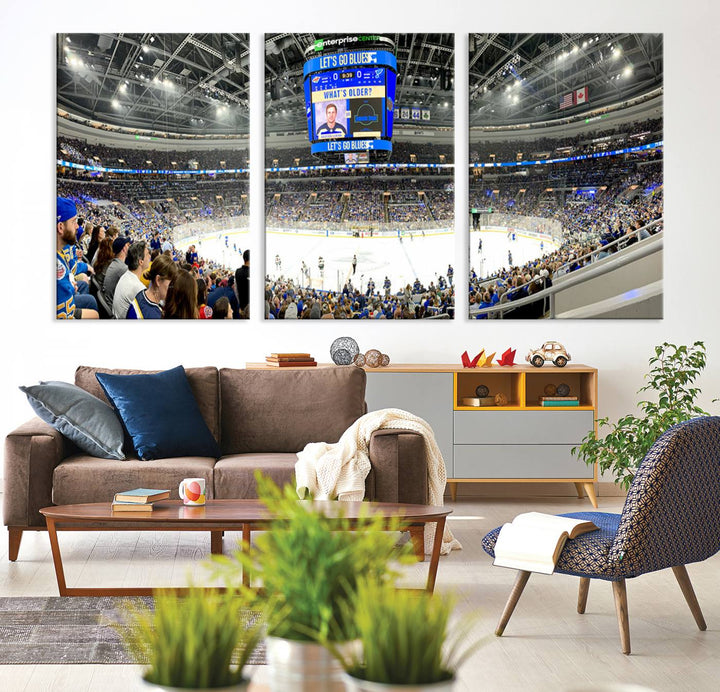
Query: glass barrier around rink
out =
(530, 224)
(208, 226)
(369, 229)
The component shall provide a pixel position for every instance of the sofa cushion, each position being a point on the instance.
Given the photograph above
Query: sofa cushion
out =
(234, 476)
(83, 418)
(281, 411)
(203, 382)
(160, 413)
(80, 478)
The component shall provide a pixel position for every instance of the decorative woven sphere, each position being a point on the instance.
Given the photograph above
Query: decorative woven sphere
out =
(481, 391)
(550, 390)
(343, 350)
(373, 358)
(500, 399)
(563, 389)
(342, 357)
(359, 360)
(385, 360)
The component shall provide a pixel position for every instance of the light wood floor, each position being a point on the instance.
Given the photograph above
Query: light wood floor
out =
(547, 646)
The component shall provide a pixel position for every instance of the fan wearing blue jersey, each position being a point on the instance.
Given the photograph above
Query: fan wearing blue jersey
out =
(67, 226)
(331, 128)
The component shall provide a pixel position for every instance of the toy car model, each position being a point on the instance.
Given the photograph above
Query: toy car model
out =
(551, 350)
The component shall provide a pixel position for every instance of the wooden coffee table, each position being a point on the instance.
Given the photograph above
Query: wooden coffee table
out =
(218, 516)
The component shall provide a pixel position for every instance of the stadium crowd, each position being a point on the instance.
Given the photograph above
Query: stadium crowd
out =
(589, 225)
(370, 200)
(403, 152)
(79, 151)
(284, 299)
(116, 259)
(486, 151)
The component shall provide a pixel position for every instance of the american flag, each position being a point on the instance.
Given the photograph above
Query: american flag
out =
(568, 100)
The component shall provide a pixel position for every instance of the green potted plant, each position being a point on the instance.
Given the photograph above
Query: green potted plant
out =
(196, 641)
(673, 372)
(310, 565)
(405, 641)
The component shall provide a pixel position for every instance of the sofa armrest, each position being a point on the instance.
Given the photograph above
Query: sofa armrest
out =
(399, 472)
(32, 452)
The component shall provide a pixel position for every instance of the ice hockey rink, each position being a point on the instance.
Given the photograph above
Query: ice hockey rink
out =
(495, 247)
(419, 257)
(402, 262)
(214, 246)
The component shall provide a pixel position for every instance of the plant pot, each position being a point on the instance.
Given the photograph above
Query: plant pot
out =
(239, 687)
(295, 666)
(357, 685)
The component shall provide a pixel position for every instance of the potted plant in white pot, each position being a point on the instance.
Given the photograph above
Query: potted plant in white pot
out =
(198, 641)
(310, 565)
(405, 641)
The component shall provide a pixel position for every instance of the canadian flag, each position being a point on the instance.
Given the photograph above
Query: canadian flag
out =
(581, 96)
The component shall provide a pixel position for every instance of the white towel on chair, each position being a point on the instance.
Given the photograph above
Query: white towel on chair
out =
(329, 471)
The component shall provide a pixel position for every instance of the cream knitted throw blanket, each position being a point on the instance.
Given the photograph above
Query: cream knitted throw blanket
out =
(329, 471)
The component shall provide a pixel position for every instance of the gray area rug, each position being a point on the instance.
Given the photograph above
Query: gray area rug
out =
(69, 630)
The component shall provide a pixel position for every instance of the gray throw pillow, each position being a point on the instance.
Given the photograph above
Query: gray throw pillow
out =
(83, 418)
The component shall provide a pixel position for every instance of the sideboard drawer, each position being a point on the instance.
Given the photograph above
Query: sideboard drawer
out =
(522, 427)
(519, 461)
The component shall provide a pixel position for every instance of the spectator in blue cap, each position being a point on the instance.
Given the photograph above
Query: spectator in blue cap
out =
(69, 305)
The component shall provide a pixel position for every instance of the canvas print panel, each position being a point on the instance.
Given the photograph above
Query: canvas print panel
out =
(566, 176)
(359, 199)
(152, 176)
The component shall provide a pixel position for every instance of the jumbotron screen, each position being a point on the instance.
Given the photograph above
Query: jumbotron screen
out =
(349, 100)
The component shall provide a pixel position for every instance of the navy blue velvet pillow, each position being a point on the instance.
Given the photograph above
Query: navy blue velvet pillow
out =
(160, 413)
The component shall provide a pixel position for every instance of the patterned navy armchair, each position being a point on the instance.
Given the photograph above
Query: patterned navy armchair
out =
(671, 518)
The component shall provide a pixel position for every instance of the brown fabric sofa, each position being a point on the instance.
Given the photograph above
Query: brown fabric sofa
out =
(260, 419)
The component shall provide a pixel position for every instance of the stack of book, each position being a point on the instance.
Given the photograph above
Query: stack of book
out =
(290, 360)
(138, 500)
(559, 401)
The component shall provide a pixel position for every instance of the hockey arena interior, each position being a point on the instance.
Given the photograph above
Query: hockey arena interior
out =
(152, 148)
(351, 232)
(566, 176)
(565, 209)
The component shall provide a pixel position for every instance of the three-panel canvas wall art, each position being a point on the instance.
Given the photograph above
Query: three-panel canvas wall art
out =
(563, 217)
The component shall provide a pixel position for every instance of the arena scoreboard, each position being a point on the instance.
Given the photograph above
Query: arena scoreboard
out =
(349, 102)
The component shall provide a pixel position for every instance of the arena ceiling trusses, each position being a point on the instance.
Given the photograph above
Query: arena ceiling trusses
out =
(198, 83)
(425, 78)
(184, 83)
(523, 78)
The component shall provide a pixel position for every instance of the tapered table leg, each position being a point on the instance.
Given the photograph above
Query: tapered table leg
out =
(246, 547)
(435, 557)
(417, 536)
(684, 580)
(583, 594)
(57, 558)
(216, 542)
(520, 581)
(621, 608)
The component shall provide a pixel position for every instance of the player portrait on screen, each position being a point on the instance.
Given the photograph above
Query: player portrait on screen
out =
(331, 127)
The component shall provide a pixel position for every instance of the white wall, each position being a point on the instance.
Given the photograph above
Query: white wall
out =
(38, 347)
